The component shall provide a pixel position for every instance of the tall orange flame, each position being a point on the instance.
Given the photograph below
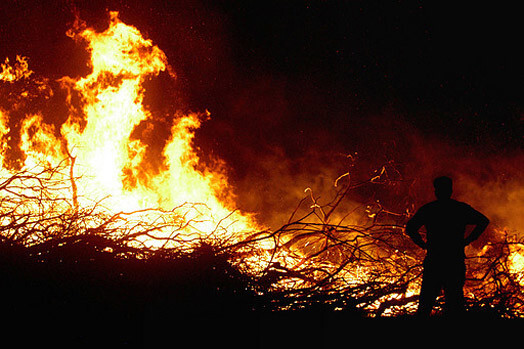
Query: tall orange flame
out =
(103, 153)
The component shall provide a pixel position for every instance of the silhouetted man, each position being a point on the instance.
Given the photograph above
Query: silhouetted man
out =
(445, 220)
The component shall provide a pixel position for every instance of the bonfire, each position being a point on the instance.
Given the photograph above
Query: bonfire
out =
(94, 199)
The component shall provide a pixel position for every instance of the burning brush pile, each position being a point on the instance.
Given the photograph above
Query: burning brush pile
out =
(87, 216)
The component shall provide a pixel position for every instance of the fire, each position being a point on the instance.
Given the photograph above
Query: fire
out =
(92, 162)
(516, 261)
(19, 71)
(108, 166)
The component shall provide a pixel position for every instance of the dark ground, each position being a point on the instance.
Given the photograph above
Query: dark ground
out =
(162, 327)
(92, 299)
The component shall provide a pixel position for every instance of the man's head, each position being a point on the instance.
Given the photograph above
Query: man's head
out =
(443, 187)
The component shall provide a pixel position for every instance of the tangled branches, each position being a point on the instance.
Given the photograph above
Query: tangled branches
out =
(371, 266)
(366, 266)
(338, 255)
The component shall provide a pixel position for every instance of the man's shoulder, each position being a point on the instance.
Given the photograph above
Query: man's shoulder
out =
(426, 209)
(437, 205)
(461, 204)
(429, 206)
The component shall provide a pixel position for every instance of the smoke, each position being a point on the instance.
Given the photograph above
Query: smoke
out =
(491, 182)
(498, 191)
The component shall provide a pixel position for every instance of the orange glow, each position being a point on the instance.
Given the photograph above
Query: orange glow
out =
(104, 168)
(105, 156)
(516, 261)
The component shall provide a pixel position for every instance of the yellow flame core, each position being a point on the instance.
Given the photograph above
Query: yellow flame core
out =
(516, 261)
(104, 155)
(121, 60)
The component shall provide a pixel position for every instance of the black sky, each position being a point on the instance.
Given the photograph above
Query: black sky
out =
(449, 70)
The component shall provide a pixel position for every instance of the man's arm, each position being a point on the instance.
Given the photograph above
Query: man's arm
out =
(481, 223)
(412, 227)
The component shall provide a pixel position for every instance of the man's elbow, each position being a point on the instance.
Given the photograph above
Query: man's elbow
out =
(411, 226)
(409, 230)
(484, 222)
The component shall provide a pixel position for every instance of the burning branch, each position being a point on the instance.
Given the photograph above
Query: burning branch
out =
(367, 267)
(308, 262)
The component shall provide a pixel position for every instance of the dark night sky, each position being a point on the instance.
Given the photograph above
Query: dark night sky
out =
(301, 80)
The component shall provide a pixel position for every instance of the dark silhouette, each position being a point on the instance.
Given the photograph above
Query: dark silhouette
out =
(445, 221)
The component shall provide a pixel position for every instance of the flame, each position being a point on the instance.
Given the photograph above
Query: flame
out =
(13, 73)
(4, 130)
(516, 261)
(109, 165)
